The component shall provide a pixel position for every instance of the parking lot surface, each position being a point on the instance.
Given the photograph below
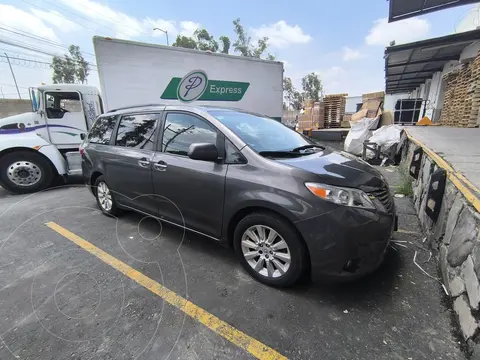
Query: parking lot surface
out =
(58, 300)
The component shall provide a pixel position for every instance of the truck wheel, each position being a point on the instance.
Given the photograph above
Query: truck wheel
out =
(25, 172)
(270, 249)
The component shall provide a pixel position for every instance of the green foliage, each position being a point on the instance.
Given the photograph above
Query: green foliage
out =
(70, 68)
(405, 186)
(205, 41)
(292, 98)
(185, 42)
(225, 44)
(202, 40)
(244, 45)
(312, 86)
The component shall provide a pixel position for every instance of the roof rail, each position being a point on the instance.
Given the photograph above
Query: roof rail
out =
(133, 106)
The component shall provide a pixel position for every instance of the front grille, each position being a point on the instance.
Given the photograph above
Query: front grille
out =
(383, 195)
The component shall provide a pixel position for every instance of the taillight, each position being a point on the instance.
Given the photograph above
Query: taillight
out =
(82, 151)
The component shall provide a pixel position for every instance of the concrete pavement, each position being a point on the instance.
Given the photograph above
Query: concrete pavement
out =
(57, 301)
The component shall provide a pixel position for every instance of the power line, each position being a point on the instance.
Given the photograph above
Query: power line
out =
(21, 53)
(21, 87)
(84, 17)
(21, 59)
(51, 43)
(59, 15)
(25, 63)
(108, 17)
(75, 14)
(28, 63)
(31, 48)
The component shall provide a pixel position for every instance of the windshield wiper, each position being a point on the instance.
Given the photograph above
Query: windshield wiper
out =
(304, 147)
(280, 153)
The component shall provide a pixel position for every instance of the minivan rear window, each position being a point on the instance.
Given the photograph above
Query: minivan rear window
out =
(102, 130)
(137, 131)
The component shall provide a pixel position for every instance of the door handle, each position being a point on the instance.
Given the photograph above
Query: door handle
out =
(143, 162)
(160, 166)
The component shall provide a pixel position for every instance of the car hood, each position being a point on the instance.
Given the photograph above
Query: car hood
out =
(339, 169)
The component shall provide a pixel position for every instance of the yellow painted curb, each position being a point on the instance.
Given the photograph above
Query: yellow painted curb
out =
(470, 191)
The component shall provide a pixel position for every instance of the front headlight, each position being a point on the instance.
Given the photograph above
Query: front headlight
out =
(340, 195)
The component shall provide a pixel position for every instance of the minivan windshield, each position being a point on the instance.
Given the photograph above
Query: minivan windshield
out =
(261, 133)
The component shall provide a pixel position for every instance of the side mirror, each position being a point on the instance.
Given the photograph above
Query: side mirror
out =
(83, 136)
(203, 151)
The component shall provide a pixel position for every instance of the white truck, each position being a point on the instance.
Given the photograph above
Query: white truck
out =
(37, 147)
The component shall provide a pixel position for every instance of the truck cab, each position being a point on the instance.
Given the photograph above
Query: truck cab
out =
(38, 146)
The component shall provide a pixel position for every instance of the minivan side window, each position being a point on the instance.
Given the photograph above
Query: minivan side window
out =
(102, 130)
(232, 155)
(137, 131)
(182, 130)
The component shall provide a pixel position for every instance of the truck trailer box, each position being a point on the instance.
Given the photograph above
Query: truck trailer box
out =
(133, 73)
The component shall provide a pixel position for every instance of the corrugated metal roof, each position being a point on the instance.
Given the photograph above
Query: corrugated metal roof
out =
(409, 65)
(403, 9)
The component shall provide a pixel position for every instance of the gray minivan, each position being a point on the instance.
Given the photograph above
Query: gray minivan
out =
(285, 203)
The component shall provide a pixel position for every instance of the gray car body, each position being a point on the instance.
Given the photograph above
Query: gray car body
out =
(211, 197)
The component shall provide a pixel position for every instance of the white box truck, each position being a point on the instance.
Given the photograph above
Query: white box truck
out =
(133, 73)
(37, 147)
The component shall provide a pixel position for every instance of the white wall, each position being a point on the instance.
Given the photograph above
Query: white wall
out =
(351, 103)
(391, 100)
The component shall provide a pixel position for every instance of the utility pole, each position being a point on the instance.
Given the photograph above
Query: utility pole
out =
(13, 75)
(164, 31)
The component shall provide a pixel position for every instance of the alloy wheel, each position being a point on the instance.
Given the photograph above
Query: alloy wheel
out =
(104, 196)
(266, 251)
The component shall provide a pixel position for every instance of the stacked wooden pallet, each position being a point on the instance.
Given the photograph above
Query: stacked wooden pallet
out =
(461, 94)
(450, 80)
(334, 109)
(461, 104)
(472, 119)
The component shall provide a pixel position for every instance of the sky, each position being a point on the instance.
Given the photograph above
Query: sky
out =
(343, 41)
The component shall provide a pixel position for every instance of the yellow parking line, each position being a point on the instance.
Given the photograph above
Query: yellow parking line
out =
(242, 340)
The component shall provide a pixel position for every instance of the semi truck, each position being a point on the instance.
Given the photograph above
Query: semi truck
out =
(38, 147)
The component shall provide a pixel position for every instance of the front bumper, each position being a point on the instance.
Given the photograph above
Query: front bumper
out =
(347, 242)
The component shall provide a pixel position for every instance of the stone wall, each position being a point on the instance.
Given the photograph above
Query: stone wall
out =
(455, 239)
(9, 107)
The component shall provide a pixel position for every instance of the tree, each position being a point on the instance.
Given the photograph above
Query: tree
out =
(244, 45)
(225, 44)
(205, 41)
(312, 86)
(292, 97)
(82, 68)
(70, 68)
(185, 42)
(202, 40)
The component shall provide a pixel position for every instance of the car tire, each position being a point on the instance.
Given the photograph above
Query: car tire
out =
(277, 273)
(24, 172)
(105, 198)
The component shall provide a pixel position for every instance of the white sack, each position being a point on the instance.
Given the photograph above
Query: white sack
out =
(386, 136)
(360, 131)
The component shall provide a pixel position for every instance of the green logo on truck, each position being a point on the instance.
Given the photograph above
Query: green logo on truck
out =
(196, 86)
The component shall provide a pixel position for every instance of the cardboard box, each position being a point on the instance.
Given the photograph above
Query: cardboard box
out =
(374, 95)
(373, 107)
